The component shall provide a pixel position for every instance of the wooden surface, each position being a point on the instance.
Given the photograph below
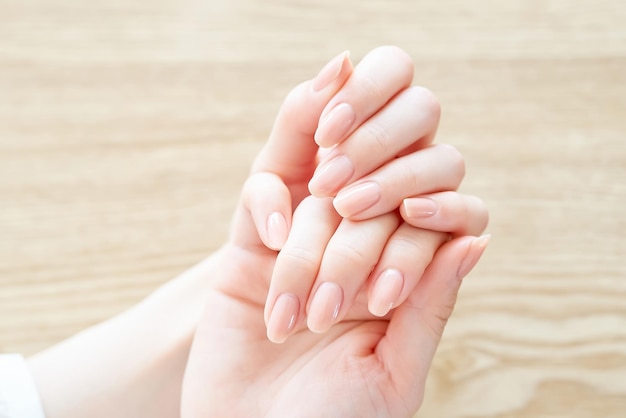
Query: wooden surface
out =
(126, 130)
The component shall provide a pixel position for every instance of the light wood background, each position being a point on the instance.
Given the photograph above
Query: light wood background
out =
(127, 126)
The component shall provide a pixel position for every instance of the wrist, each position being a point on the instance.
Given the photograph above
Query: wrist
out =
(131, 365)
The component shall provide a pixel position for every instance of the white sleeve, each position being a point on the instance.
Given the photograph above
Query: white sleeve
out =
(18, 394)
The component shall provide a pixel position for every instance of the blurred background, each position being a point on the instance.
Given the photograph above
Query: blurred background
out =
(127, 128)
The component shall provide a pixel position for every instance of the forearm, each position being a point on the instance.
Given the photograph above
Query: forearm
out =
(131, 365)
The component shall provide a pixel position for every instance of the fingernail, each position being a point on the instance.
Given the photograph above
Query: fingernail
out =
(356, 199)
(331, 176)
(283, 317)
(420, 207)
(277, 230)
(386, 291)
(325, 306)
(330, 72)
(474, 252)
(335, 125)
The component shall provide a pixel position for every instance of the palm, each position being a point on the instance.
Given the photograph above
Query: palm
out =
(329, 368)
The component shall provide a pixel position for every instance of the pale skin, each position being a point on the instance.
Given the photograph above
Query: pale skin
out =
(361, 359)
(372, 357)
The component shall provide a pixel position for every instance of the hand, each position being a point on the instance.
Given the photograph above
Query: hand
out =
(335, 259)
(385, 159)
(361, 367)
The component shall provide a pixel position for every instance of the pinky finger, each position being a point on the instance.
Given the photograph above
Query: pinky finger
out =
(451, 212)
(416, 327)
(268, 200)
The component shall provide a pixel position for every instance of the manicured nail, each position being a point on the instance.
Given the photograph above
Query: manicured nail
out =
(277, 231)
(330, 72)
(325, 306)
(355, 199)
(474, 252)
(331, 176)
(283, 317)
(335, 125)
(420, 207)
(386, 291)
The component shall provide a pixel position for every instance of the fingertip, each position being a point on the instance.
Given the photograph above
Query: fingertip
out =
(331, 175)
(475, 250)
(415, 209)
(359, 201)
(331, 71)
(282, 319)
(268, 201)
(385, 292)
(313, 190)
(325, 307)
(449, 211)
(277, 231)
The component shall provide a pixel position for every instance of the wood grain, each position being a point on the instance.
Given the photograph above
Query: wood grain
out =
(126, 130)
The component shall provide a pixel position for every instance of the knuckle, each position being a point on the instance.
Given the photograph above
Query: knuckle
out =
(352, 255)
(299, 258)
(379, 136)
(407, 174)
(438, 318)
(369, 86)
(412, 247)
(416, 244)
(412, 255)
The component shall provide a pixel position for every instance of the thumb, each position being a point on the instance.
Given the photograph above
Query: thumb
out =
(416, 327)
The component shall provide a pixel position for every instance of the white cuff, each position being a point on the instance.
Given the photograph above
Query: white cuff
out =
(18, 394)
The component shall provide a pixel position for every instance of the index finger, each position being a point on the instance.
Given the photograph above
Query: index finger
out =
(380, 75)
(291, 150)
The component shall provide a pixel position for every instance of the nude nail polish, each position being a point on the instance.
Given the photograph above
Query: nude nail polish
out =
(331, 176)
(420, 207)
(325, 307)
(330, 72)
(283, 317)
(474, 252)
(335, 125)
(277, 230)
(357, 198)
(386, 292)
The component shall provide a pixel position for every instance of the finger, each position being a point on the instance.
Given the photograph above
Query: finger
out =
(436, 168)
(379, 76)
(314, 222)
(452, 212)
(268, 200)
(411, 117)
(350, 256)
(405, 258)
(416, 326)
(290, 151)
(290, 154)
(263, 217)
